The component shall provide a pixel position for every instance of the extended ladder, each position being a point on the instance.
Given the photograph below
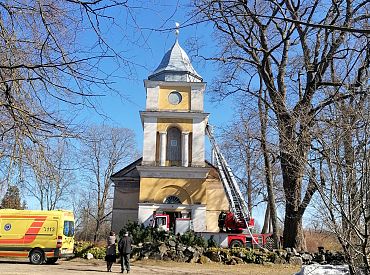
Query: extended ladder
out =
(234, 196)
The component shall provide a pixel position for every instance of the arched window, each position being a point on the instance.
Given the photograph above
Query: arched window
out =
(174, 146)
(172, 200)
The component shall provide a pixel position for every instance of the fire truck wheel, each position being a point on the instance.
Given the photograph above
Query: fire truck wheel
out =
(51, 260)
(236, 243)
(36, 256)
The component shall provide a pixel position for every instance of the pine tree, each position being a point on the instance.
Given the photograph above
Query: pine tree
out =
(12, 199)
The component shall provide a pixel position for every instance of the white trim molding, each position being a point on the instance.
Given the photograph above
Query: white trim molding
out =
(173, 172)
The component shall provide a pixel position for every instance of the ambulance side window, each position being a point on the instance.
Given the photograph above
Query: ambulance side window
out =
(68, 229)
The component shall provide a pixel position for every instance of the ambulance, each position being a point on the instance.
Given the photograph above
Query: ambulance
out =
(42, 236)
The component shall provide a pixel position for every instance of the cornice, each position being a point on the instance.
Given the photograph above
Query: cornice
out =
(173, 172)
(155, 83)
(172, 114)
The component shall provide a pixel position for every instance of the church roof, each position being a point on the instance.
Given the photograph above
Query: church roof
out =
(175, 66)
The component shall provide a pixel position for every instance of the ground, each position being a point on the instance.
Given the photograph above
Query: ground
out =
(94, 267)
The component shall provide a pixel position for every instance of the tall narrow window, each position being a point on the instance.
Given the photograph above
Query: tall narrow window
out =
(174, 146)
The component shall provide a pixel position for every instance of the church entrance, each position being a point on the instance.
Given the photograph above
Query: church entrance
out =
(173, 216)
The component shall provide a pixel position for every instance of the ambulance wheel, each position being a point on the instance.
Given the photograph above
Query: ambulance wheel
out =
(236, 243)
(36, 256)
(51, 260)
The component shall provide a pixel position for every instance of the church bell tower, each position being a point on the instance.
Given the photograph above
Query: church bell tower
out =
(174, 121)
(172, 177)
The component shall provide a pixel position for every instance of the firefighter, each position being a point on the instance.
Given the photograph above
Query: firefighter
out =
(221, 221)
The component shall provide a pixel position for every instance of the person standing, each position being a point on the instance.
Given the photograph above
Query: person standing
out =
(125, 248)
(110, 255)
(221, 221)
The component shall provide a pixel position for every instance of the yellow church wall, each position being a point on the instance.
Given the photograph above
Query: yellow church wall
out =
(156, 190)
(164, 104)
(216, 197)
(212, 221)
(216, 201)
(185, 125)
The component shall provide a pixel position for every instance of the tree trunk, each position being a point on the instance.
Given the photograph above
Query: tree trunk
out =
(249, 180)
(263, 110)
(293, 230)
(265, 228)
(292, 181)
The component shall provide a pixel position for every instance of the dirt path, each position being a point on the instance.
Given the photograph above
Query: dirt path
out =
(93, 267)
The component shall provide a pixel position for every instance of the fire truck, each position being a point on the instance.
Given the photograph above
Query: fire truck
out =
(236, 225)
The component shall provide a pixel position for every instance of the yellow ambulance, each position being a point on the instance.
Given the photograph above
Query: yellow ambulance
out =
(42, 236)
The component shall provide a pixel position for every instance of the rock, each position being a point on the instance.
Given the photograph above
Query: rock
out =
(172, 243)
(294, 260)
(203, 259)
(199, 249)
(195, 257)
(188, 253)
(180, 247)
(214, 256)
(294, 251)
(171, 254)
(166, 258)
(191, 249)
(279, 260)
(180, 257)
(240, 254)
(155, 256)
(231, 262)
(238, 260)
(321, 258)
(307, 258)
(225, 257)
(163, 249)
(89, 256)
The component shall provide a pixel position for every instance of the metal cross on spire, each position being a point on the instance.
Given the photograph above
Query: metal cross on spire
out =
(177, 31)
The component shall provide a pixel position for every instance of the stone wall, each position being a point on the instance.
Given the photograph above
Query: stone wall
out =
(175, 251)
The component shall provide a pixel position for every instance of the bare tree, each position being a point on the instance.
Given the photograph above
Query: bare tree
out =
(104, 150)
(289, 48)
(246, 147)
(49, 71)
(241, 149)
(50, 175)
(343, 150)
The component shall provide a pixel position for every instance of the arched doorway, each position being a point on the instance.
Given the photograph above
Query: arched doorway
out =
(173, 146)
(173, 215)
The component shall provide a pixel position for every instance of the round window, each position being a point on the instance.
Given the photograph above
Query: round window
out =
(174, 97)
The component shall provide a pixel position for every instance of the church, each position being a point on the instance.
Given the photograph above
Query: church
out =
(172, 177)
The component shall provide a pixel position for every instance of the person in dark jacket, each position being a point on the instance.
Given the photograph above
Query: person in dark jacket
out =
(110, 256)
(125, 248)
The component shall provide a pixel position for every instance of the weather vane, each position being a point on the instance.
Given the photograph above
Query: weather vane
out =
(177, 29)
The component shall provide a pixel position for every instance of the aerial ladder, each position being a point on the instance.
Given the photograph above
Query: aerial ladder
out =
(240, 219)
